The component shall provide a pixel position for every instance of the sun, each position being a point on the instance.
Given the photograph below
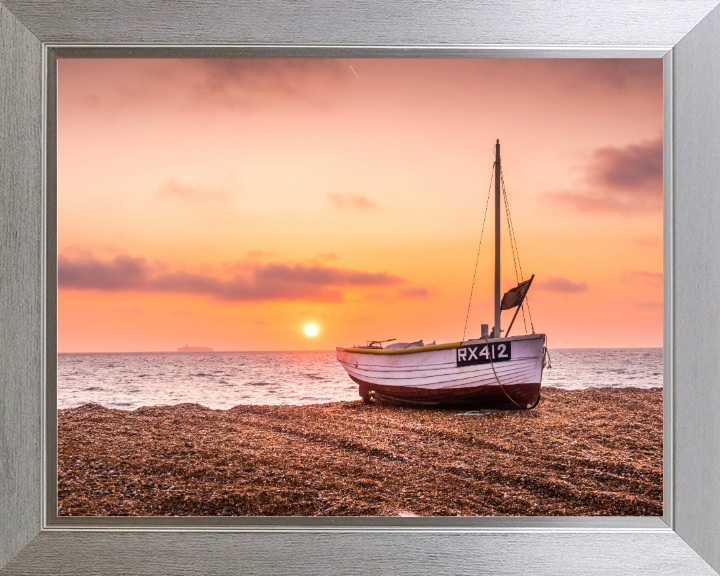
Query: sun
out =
(311, 330)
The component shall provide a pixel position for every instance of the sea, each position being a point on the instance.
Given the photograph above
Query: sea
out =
(221, 380)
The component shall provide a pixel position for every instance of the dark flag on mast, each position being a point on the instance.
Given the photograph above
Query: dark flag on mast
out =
(516, 296)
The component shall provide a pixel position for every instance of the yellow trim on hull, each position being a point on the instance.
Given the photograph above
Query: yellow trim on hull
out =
(433, 347)
(404, 350)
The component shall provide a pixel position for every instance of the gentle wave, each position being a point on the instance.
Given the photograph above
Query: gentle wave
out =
(222, 380)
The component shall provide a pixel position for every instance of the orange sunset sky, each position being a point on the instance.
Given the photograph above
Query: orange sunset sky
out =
(229, 203)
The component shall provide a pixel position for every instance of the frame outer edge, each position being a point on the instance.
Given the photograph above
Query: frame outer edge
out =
(352, 22)
(159, 554)
(20, 297)
(21, 279)
(697, 285)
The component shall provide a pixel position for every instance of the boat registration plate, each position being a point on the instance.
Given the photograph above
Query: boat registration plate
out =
(484, 353)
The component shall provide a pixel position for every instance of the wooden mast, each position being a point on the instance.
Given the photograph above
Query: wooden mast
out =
(497, 331)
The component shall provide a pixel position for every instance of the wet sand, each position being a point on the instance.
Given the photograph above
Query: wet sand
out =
(579, 453)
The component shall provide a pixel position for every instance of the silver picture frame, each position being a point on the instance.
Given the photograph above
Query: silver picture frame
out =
(684, 541)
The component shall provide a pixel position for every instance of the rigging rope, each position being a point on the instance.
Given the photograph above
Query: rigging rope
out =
(510, 233)
(513, 239)
(517, 264)
(477, 258)
(513, 246)
(497, 378)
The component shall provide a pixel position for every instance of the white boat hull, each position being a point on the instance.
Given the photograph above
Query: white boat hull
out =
(444, 375)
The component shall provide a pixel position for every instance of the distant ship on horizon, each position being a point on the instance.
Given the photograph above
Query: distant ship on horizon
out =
(187, 348)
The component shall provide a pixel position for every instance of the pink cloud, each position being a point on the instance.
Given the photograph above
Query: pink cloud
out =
(403, 293)
(244, 82)
(274, 281)
(231, 83)
(131, 310)
(616, 73)
(625, 180)
(636, 166)
(644, 276)
(352, 201)
(559, 284)
(259, 254)
(192, 194)
(415, 293)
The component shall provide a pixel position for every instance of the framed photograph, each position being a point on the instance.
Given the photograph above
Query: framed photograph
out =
(37, 539)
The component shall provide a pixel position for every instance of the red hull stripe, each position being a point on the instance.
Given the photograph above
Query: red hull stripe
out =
(484, 395)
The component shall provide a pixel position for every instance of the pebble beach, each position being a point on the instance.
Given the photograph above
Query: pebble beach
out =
(589, 452)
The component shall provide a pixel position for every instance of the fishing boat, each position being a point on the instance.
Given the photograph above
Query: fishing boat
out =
(494, 371)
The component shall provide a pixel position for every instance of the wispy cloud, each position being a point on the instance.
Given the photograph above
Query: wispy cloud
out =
(617, 73)
(192, 194)
(625, 180)
(352, 201)
(415, 293)
(259, 254)
(244, 82)
(636, 166)
(212, 83)
(273, 281)
(655, 278)
(560, 284)
(130, 310)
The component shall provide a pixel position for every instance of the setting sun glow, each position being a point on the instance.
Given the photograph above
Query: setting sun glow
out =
(311, 330)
